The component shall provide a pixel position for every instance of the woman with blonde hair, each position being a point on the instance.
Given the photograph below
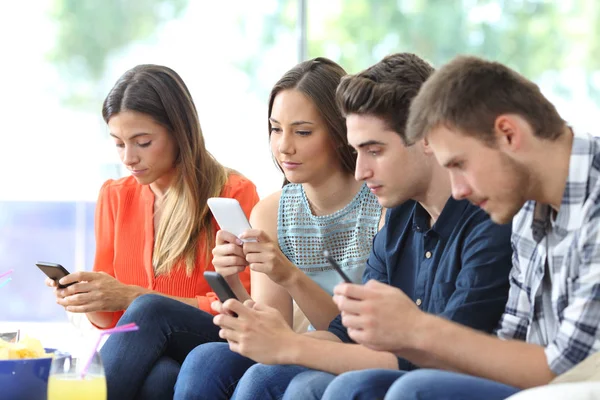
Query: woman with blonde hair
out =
(154, 235)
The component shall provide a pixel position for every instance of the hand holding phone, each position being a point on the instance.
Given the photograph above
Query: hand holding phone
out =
(54, 271)
(229, 215)
(336, 266)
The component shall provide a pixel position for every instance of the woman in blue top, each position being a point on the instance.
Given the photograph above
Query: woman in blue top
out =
(321, 207)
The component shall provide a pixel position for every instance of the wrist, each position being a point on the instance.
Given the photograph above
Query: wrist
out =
(423, 331)
(291, 349)
(133, 293)
(291, 280)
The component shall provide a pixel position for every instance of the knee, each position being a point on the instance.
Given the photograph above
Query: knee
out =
(346, 385)
(209, 355)
(260, 373)
(309, 385)
(410, 386)
(145, 306)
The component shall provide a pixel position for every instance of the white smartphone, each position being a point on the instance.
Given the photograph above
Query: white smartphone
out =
(229, 215)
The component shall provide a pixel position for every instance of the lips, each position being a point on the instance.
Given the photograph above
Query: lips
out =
(290, 165)
(137, 172)
(374, 188)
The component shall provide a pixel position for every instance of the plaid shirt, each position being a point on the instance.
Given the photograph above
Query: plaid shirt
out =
(569, 248)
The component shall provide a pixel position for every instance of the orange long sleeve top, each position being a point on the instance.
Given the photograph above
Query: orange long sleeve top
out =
(125, 240)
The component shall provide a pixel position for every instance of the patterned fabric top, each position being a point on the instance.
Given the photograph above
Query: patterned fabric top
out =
(568, 247)
(347, 234)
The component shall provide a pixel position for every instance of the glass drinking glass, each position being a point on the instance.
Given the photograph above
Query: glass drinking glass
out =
(65, 381)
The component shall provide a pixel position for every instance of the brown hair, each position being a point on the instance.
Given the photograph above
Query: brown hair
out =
(318, 79)
(160, 92)
(469, 93)
(385, 90)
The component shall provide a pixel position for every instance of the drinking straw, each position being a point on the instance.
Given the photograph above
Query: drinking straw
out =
(10, 271)
(5, 282)
(119, 329)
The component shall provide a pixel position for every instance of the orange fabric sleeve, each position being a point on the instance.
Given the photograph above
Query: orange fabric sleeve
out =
(104, 229)
(244, 191)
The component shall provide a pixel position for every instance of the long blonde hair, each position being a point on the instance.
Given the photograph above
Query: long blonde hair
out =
(160, 92)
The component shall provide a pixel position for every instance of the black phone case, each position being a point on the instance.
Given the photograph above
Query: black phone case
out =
(54, 272)
(337, 268)
(220, 286)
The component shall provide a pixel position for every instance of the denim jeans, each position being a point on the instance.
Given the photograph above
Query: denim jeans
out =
(310, 384)
(211, 371)
(266, 382)
(370, 384)
(430, 384)
(144, 364)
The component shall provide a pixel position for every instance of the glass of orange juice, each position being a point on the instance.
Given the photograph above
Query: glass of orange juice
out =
(66, 383)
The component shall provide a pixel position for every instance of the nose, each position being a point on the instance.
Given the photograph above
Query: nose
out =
(129, 156)
(285, 143)
(363, 171)
(460, 187)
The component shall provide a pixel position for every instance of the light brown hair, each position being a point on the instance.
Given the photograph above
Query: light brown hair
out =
(469, 93)
(385, 90)
(318, 79)
(160, 92)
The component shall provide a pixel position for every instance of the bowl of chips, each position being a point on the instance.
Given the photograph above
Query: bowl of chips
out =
(24, 369)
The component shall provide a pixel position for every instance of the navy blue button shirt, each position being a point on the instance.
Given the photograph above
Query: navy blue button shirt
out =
(457, 269)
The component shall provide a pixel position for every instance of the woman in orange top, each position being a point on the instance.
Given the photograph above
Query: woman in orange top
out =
(154, 235)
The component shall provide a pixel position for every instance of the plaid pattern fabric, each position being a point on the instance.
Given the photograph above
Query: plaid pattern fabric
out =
(570, 245)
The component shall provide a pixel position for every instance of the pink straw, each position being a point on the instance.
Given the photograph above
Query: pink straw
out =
(10, 271)
(119, 329)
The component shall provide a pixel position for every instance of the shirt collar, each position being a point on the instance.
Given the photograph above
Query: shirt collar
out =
(445, 223)
(576, 192)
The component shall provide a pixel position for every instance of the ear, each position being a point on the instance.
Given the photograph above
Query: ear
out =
(427, 150)
(508, 130)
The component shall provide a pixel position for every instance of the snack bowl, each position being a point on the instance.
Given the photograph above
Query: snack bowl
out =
(25, 379)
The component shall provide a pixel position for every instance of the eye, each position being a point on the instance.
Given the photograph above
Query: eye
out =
(303, 133)
(275, 129)
(145, 144)
(460, 165)
(120, 145)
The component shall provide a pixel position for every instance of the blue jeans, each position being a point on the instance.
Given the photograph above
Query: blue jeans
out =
(145, 364)
(210, 371)
(268, 382)
(367, 384)
(310, 384)
(426, 384)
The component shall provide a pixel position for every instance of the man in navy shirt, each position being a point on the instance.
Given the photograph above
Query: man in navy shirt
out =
(446, 255)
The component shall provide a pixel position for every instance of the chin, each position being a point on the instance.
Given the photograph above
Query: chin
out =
(501, 219)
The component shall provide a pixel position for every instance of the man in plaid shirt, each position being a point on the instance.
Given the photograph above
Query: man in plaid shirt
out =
(507, 150)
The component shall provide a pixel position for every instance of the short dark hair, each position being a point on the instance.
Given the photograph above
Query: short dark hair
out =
(318, 79)
(385, 89)
(469, 93)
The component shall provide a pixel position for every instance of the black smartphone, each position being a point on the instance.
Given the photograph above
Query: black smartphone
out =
(220, 286)
(336, 266)
(54, 271)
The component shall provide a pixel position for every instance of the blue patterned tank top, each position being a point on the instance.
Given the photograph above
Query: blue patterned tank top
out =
(347, 234)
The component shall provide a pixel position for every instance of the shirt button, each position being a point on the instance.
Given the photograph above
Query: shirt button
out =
(428, 254)
(418, 302)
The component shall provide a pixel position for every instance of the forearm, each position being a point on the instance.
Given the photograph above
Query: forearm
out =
(316, 303)
(335, 357)
(322, 335)
(439, 343)
(238, 288)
